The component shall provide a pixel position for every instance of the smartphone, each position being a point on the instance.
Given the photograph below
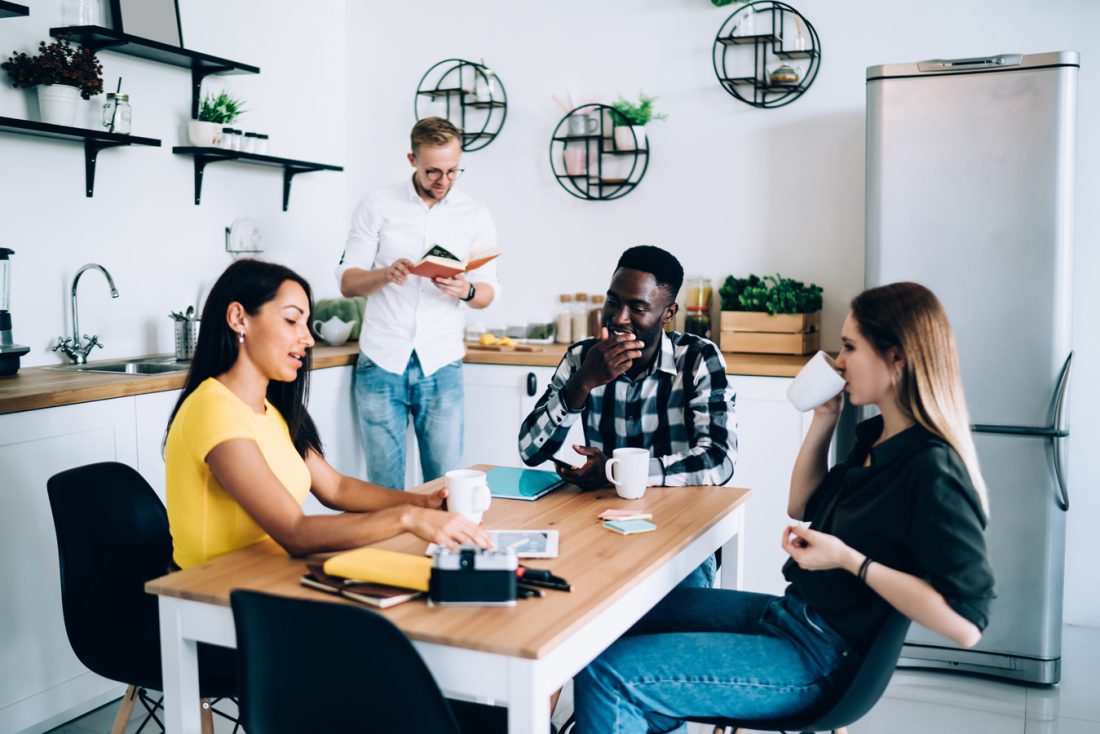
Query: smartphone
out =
(563, 465)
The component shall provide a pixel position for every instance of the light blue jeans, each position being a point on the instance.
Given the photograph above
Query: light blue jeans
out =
(712, 653)
(385, 401)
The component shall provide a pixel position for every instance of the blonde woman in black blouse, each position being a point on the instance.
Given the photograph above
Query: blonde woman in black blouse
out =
(900, 523)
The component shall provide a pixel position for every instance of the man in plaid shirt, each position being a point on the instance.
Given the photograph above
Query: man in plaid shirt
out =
(636, 385)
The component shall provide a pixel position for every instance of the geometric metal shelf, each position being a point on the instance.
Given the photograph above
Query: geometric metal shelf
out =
(595, 160)
(757, 38)
(472, 97)
(93, 140)
(201, 65)
(13, 10)
(204, 156)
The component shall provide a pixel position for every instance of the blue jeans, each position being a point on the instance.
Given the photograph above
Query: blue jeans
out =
(712, 653)
(385, 402)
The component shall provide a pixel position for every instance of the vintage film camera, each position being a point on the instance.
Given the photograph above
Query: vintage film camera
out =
(473, 576)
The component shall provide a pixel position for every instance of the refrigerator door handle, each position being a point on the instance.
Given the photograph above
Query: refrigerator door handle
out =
(1060, 422)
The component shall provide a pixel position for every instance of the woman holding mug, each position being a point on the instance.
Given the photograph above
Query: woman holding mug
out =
(899, 524)
(242, 453)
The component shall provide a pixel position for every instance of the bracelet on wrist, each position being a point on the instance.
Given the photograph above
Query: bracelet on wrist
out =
(863, 568)
(470, 296)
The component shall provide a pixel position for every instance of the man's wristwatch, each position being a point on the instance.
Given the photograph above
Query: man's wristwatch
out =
(470, 296)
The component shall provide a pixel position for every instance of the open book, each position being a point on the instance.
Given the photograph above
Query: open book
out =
(439, 262)
(376, 595)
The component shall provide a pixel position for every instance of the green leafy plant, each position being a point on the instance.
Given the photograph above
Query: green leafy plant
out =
(57, 63)
(222, 109)
(629, 113)
(772, 293)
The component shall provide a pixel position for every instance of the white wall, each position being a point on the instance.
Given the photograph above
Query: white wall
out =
(731, 189)
(142, 224)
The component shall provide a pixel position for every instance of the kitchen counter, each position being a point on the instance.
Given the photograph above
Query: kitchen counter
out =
(37, 387)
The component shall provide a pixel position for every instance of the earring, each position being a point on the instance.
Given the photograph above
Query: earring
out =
(240, 338)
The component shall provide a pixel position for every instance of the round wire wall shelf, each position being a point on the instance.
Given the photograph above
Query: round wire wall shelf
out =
(593, 158)
(766, 54)
(468, 94)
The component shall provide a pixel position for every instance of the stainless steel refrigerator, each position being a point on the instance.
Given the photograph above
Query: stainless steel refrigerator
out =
(970, 179)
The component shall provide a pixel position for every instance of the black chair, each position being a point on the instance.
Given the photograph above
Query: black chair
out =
(356, 669)
(858, 698)
(112, 537)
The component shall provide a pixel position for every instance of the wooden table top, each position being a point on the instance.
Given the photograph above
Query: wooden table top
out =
(601, 566)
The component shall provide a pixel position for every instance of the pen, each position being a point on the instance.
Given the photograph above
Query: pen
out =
(526, 592)
(559, 585)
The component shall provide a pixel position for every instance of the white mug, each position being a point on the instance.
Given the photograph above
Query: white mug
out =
(817, 382)
(467, 493)
(628, 470)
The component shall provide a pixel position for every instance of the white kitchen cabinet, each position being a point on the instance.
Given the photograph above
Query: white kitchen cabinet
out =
(152, 411)
(42, 684)
(497, 399)
(769, 435)
(332, 407)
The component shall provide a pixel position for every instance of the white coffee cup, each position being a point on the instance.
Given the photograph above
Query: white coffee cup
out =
(467, 493)
(817, 382)
(628, 470)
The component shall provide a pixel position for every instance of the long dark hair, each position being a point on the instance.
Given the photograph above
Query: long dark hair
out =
(251, 283)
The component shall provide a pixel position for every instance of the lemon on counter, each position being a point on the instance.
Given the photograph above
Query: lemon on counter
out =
(506, 341)
(488, 340)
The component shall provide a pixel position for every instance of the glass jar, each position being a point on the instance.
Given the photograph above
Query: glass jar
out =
(580, 317)
(248, 143)
(117, 114)
(261, 143)
(595, 315)
(563, 320)
(698, 292)
(697, 322)
(228, 140)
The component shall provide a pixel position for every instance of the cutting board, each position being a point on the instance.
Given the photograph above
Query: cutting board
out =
(502, 348)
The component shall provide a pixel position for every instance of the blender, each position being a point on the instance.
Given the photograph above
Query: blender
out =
(9, 352)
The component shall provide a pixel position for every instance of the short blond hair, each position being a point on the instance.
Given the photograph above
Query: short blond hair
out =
(433, 132)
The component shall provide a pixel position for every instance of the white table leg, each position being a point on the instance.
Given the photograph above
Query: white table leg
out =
(739, 539)
(528, 700)
(180, 669)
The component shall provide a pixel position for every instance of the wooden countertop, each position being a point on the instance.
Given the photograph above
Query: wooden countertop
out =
(39, 387)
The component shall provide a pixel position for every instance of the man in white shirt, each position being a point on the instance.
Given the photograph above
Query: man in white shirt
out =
(411, 349)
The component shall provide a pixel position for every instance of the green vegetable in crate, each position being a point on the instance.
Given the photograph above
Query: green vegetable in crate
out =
(772, 293)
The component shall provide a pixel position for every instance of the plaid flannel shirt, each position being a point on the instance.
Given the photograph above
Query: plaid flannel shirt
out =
(681, 409)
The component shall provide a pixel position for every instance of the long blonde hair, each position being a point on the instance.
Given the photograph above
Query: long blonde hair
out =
(909, 317)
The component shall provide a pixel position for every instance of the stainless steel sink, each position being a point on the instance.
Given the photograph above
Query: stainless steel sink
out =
(144, 366)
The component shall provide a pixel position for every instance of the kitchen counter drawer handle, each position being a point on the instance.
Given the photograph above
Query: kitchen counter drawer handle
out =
(532, 385)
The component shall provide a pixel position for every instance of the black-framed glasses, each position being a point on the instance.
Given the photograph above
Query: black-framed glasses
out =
(434, 174)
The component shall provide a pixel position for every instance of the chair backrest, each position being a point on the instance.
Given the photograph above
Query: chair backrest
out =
(112, 537)
(871, 679)
(321, 666)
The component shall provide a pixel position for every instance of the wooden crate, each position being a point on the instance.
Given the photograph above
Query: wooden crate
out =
(762, 333)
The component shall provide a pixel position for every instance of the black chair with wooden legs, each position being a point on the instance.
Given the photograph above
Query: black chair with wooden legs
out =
(112, 537)
(358, 672)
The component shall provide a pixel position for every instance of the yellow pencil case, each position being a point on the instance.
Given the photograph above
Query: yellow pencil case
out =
(382, 567)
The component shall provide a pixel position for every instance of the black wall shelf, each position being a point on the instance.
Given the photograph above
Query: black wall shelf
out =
(13, 10)
(291, 167)
(474, 97)
(201, 65)
(743, 59)
(93, 140)
(602, 163)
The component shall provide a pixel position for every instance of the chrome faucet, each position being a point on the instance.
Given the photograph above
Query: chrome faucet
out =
(72, 346)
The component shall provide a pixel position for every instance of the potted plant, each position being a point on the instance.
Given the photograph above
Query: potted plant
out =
(59, 72)
(214, 112)
(630, 120)
(773, 315)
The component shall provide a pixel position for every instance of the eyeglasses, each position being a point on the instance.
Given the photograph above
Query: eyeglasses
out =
(434, 174)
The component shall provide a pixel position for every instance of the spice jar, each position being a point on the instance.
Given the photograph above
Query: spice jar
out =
(563, 320)
(261, 143)
(595, 315)
(697, 320)
(248, 143)
(228, 139)
(580, 317)
(117, 114)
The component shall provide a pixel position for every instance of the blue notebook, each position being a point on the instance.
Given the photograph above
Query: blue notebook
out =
(521, 484)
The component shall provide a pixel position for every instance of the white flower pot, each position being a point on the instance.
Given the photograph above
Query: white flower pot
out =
(57, 103)
(204, 134)
(630, 137)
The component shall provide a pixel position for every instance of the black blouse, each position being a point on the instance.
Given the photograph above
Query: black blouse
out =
(913, 509)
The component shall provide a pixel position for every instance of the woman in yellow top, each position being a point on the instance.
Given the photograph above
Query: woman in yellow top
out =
(242, 452)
